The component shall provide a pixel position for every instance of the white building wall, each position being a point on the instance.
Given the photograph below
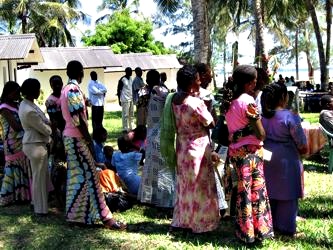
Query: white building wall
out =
(4, 73)
(44, 76)
(112, 78)
(7, 72)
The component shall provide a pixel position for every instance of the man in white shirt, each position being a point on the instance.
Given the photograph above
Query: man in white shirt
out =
(125, 96)
(96, 92)
(138, 87)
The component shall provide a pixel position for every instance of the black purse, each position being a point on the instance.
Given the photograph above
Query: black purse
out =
(220, 133)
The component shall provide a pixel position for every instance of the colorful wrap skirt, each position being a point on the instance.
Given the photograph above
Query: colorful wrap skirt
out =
(85, 202)
(253, 213)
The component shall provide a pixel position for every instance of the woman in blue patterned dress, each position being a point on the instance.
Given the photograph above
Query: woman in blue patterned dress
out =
(15, 186)
(158, 179)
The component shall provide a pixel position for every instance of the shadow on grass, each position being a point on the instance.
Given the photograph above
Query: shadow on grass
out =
(21, 229)
(112, 115)
(157, 213)
(221, 237)
(317, 163)
(320, 207)
(307, 241)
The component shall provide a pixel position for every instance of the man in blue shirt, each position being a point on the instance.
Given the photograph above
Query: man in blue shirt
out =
(97, 92)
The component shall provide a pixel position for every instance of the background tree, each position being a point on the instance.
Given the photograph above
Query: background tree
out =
(116, 5)
(175, 20)
(321, 51)
(125, 35)
(49, 20)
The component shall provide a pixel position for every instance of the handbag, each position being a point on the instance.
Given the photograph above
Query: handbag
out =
(220, 133)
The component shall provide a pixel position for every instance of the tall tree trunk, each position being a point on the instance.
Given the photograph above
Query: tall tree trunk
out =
(234, 55)
(322, 59)
(201, 31)
(224, 59)
(261, 58)
(307, 53)
(24, 23)
(329, 5)
(296, 52)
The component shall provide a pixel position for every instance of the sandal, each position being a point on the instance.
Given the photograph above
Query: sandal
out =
(115, 225)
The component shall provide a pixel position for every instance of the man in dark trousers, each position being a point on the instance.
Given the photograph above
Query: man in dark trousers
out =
(97, 92)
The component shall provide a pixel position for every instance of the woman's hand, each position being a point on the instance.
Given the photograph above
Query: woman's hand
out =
(215, 157)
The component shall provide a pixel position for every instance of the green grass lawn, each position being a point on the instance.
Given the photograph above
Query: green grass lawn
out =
(313, 118)
(148, 228)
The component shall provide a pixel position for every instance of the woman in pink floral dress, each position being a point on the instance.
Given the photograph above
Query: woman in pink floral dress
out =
(196, 207)
(253, 214)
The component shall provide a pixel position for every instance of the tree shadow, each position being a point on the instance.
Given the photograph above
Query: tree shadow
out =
(221, 237)
(307, 240)
(317, 207)
(317, 162)
(153, 212)
(148, 227)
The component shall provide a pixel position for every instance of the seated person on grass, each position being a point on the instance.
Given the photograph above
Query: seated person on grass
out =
(326, 114)
(127, 162)
(110, 181)
(99, 138)
(137, 139)
(115, 197)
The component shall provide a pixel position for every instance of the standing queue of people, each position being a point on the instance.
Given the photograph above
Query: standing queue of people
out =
(182, 178)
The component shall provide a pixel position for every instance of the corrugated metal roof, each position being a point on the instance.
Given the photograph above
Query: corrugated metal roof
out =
(146, 61)
(16, 46)
(90, 57)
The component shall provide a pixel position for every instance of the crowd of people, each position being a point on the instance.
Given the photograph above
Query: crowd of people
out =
(171, 141)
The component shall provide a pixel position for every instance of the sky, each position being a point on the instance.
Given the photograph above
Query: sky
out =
(148, 7)
(246, 47)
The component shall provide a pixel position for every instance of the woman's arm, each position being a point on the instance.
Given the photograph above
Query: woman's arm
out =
(255, 121)
(11, 120)
(85, 133)
(297, 134)
(36, 122)
(258, 129)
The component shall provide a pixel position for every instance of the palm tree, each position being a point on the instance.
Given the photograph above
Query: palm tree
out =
(49, 20)
(201, 27)
(328, 6)
(260, 47)
(322, 57)
(115, 5)
(201, 31)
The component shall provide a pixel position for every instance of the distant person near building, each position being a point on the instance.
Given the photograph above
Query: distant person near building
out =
(125, 98)
(138, 87)
(96, 92)
(164, 78)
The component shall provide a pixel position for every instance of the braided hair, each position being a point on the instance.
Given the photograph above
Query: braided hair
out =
(242, 75)
(271, 95)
